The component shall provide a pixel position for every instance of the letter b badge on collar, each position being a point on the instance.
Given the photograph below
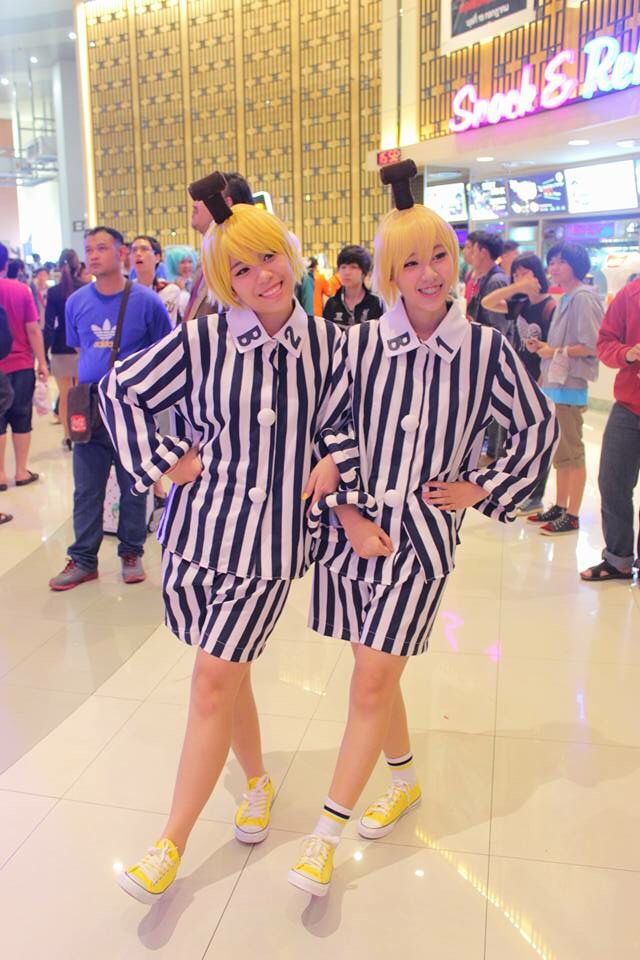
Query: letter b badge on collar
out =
(246, 338)
(395, 343)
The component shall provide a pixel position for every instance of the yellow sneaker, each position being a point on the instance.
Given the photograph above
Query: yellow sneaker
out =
(381, 817)
(150, 877)
(312, 873)
(252, 818)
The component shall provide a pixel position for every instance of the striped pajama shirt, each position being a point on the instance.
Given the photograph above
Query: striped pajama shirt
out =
(420, 412)
(255, 407)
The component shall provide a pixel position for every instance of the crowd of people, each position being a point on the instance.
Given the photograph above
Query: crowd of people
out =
(354, 440)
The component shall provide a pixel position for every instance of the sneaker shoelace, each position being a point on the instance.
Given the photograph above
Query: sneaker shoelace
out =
(315, 852)
(156, 861)
(257, 799)
(130, 561)
(385, 804)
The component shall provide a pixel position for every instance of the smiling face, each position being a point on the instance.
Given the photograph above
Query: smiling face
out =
(266, 287)
(424, 283)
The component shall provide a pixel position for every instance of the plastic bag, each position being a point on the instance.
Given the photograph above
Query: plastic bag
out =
(559, 367)
(41, 398)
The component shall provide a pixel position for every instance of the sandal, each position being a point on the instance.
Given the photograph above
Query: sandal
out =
(30, 479)
(604, 571)
(5, 518)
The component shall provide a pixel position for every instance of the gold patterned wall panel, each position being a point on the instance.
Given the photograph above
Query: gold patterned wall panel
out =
(497, 65)
(111, 109)
(375, 200)
(269, 83)
(285, 94)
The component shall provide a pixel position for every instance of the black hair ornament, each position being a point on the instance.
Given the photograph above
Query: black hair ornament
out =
(210, 191)
(399, 176)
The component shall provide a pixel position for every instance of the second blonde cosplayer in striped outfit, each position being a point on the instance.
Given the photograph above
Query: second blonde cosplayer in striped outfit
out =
(425, 385)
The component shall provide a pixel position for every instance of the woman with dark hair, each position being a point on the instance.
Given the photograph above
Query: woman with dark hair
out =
(64, 359)
(530, 307)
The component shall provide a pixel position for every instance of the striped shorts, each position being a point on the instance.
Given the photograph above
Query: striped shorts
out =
(395, 618)
(227, 616)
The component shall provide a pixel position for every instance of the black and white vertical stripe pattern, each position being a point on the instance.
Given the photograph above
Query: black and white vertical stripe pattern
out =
(229, 617)
(255, 406)
(420, 411)
(396, 619)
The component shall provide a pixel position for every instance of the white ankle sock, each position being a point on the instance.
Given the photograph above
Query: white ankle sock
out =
(333, 820)
(402, 768)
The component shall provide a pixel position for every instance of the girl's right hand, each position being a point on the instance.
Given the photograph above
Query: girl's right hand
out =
(367, 538)
(187, 469)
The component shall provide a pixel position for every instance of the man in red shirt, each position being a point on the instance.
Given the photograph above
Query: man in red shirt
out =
(619, 347)
(28, 345)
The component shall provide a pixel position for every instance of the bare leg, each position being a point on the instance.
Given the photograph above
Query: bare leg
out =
(562, 487)
(3, 450)
(246, 742)
(396, 742)
(577, 477)
(21, 444)
(214, 689)
(374, 687)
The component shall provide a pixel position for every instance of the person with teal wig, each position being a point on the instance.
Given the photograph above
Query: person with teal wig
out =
(181, 262)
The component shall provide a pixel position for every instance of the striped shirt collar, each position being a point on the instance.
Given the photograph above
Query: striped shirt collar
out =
(398, 336)
(248, 333)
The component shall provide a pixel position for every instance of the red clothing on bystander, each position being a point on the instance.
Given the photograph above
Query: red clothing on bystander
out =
(619, 332)
(17, 300)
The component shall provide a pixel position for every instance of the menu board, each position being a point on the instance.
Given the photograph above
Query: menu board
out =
(538, 193)
(449, 200)
(488, 200)
(602, 187)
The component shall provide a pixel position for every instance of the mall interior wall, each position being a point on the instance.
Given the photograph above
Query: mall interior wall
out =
(283, 91)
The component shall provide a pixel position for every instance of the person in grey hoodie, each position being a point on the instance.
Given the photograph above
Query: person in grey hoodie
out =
(569, 361)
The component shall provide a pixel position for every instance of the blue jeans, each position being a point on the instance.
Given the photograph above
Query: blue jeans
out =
(91, 465)
(617, 479)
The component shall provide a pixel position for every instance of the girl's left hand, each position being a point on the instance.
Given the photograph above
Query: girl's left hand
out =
(323, 479)
(454, 495)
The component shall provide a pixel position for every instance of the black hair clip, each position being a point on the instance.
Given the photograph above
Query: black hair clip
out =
(400, 175)
(210, 191)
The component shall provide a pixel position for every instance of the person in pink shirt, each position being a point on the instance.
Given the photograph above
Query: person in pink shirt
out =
(618, 346)
(18, 365)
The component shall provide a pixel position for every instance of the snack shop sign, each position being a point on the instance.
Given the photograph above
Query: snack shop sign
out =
(607, 69)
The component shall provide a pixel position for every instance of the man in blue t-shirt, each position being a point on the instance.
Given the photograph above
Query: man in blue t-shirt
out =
(91, 318)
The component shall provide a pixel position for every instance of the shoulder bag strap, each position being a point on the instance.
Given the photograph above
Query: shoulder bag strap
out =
(118, 335)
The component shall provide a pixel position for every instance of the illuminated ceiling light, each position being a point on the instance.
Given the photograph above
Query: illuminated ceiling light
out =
(4, 81)
(579, 143)
(33, 59)
(72, 35)
(92, 43)
(485, 159)
(623, 144)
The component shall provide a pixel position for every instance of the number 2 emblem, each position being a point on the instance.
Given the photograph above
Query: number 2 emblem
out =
(291, 337)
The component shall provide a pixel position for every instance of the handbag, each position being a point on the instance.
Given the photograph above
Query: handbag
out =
(83, 409)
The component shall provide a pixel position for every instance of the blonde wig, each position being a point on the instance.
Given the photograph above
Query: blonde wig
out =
(402, 233)
(246, 235)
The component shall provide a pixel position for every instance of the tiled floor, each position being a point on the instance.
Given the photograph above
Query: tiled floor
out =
(526, 730)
